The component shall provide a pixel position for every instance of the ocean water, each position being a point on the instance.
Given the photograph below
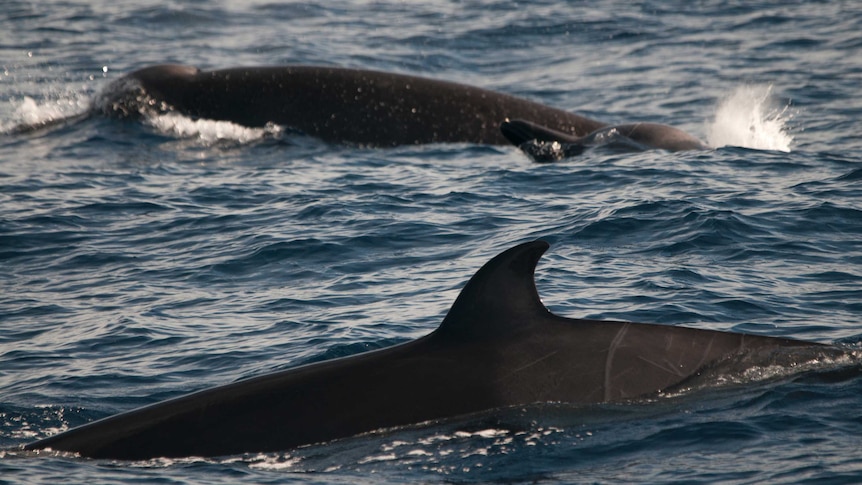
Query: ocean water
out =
(142, 260)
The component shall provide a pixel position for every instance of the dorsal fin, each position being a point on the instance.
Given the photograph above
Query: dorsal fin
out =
(501, 298)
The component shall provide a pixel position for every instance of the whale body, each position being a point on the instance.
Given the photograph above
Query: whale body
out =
(357, 106)
(497, 347)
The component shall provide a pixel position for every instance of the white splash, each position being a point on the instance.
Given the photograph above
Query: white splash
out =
(208, 131)
(751, 117)
(28, 113)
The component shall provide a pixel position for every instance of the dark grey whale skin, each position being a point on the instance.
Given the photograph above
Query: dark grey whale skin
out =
(497, 347)
(545, 144)
(356, 106)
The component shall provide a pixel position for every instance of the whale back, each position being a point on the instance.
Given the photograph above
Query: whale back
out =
(362, 107)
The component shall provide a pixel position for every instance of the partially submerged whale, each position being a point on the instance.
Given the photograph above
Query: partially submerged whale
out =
(363, 107)
(497, 347)
(546, 144)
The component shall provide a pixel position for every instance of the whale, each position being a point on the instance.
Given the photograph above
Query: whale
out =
(497, 347)
(341, 105)
(547, 144)
(364, 107)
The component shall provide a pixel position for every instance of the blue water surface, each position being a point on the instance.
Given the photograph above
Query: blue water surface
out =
(141, 261)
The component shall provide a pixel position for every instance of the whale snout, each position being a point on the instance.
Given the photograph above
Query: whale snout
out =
(146, 91)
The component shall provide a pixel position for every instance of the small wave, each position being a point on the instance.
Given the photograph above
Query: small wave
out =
(30, 115)
(750, 117)
(443, 451)
(209, 131)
